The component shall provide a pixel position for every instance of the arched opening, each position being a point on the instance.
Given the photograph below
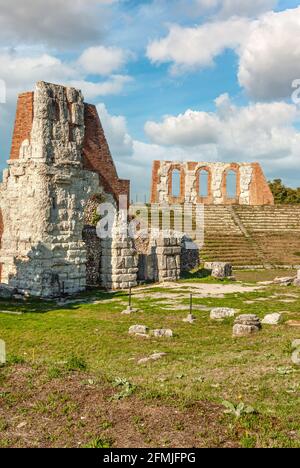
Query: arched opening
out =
(92, 241)
(231, 184)
(203, 180)
(176, 183)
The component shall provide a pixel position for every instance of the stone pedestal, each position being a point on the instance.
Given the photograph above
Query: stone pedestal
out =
(219, 270)
(246, 325)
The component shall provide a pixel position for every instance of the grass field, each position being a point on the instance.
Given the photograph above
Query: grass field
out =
(73, 380)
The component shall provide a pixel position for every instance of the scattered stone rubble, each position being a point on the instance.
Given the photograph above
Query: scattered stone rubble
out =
(139, 330)
(153, 357)
(296, 352)
(162, 333)
(222, 313)
(272, 319)
(246, 325)
(142, 330)
(190, 319)
(219, 270)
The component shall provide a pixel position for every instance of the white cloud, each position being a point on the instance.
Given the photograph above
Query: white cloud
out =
(103, 60)
(197, 47)
(115, 128)
(56, 23)
(114, 85)
(262, 131)
(267, 47)
(228, 8)
(270, 58)
(20, 72)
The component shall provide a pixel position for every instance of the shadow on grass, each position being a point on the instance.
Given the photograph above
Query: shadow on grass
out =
(40, 306)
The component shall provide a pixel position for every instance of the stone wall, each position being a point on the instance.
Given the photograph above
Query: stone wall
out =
(44, 193)
(119, 261)
(168, 253)
(94, 254)
(97, 156)
(251, 185)
(160, 257)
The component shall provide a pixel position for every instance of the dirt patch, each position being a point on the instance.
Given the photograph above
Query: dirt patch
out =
(73, 411)
(203, 290)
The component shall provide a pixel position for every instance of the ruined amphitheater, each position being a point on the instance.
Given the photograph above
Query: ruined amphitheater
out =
(60, 169)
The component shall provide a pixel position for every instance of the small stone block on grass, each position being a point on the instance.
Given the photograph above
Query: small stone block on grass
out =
(190, 319)
(296, 344)
(138, 330)
(246, 325)
(272, 319)
(129, 311)
(153, 357)
(221, 313)
(163, 333)
(2, 353)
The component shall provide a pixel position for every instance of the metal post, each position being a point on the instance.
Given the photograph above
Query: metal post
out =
(130, 300)
(191, 304)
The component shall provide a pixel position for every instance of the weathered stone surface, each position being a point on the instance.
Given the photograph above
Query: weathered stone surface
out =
(221, 270)
(249, 176)
(6, 292)
(53, 173)
(153, 357)
(163, 333)
(285, 281)
(222, 313)
(272, 319)
(2, 353)
(138, 330)
(296, 357)
(190, 319)
(129, 311)
(245, 325)
(160, 258)
(296, 344)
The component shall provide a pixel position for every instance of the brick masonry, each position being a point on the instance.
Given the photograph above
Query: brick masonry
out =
(59, 161)
(23, 123)
(251, 185)
(97, 156)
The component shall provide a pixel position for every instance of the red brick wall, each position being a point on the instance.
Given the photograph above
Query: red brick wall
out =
(23, 123)
(97, 156)
(155, 181)
(260, 192)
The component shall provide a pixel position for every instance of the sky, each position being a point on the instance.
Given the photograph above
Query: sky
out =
(184, 80)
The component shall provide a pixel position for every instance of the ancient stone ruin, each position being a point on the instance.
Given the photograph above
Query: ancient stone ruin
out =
(208, 183)
(59, 163)
(60, 170)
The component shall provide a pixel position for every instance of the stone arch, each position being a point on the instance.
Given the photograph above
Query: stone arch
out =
(203, 184)
(231, 185)
(175, 171)
(92, 241)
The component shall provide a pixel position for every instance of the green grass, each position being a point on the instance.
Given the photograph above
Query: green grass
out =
(203, 361)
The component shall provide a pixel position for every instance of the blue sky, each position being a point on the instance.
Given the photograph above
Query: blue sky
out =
(202, 80)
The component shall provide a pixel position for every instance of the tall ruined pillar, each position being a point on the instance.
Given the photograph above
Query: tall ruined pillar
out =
(119, 262)
(45, 189)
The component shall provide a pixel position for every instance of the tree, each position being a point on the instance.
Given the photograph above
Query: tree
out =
(283, 194)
